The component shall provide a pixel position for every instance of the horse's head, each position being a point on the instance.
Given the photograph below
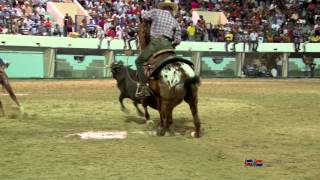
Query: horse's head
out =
(117, 70)
(4, 64)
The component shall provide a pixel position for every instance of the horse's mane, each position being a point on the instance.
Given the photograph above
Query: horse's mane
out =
(132, 73)
(144, 34)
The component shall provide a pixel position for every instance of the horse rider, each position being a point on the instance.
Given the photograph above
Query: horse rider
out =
(165, 34)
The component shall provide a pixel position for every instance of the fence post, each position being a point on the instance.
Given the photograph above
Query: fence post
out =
(196, 59)
(285, 65)
(109, 58)
(239, 63)
(49, 60)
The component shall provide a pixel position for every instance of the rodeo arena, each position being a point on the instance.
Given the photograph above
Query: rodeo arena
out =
(159, 89)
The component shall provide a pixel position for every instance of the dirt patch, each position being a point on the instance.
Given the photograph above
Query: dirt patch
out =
(103, 135)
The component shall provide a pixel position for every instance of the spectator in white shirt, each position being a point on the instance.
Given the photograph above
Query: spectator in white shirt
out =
(253, 40)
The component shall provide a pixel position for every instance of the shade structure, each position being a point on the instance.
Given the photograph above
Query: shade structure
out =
(214, 18)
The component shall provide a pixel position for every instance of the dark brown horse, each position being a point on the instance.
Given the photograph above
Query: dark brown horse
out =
(172, 84)
(6, 85)
(127, 84)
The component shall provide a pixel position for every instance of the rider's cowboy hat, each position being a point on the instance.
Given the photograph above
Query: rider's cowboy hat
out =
(168, 3)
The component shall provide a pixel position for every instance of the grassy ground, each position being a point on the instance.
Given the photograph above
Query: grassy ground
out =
(273, 120)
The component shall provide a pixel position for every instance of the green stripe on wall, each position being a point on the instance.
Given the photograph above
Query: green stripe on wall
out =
(24, 64)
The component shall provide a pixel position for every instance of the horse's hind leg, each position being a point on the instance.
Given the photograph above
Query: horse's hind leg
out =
(146, 113)
(1, 109)
(123, 108)
(192, 100)
(140, 113)
(165, 118)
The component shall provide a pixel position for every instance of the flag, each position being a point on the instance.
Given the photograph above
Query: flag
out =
(248, 163)
(259, 163)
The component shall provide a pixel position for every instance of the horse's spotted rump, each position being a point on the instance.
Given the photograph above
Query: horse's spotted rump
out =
(172, 73)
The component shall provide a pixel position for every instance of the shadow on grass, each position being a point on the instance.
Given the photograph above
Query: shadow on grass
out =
(136, 119)
(181, 126)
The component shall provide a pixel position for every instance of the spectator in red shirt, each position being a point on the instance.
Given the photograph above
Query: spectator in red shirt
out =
(195, 4)
(47, 25)
(111, 32)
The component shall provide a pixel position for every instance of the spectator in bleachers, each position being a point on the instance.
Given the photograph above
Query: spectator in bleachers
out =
(91, 28)
(228, 38)
(68, 24)
(191, 31)
(25, 29)
(47, 25)
(253, 40)
(294, 21)
(34, 27)
(56, 31)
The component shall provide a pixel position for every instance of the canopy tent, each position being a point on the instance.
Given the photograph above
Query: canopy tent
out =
(215, 18)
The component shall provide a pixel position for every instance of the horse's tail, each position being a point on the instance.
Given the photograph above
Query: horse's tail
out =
(195, 80)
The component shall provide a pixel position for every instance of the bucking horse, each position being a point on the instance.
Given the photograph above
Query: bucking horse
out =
(127, 84)
(171, 80)
(6, 85)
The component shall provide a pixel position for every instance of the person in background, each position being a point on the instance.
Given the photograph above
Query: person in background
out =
(191, 31)
(25, 29)
(298, 37)
(91, 28)
(199, 31)
(245, 40)
(253, 41)
(68, 23)
(228, 38)
(56, 31)
(48, 25)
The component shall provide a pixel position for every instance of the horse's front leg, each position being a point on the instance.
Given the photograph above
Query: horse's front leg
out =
(146, 113)
(1, 110)
(123, 108)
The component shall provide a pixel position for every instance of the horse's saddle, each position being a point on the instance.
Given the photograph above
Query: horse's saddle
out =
(160, 59)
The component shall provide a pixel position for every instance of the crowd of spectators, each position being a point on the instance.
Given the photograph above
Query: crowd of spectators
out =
(251, 21)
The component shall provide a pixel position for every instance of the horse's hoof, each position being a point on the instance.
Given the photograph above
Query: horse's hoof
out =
(150, 122)
(161, 132)
(195, 135)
